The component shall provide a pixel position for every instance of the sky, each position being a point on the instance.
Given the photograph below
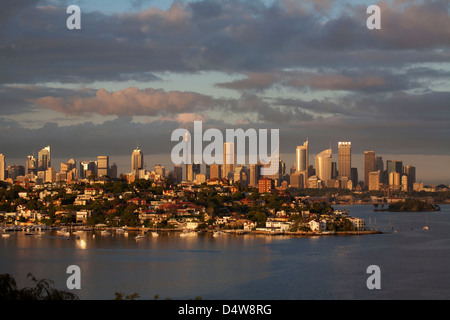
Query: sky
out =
(139, 69)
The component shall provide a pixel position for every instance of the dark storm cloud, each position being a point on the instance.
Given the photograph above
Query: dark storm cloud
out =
(238, 36)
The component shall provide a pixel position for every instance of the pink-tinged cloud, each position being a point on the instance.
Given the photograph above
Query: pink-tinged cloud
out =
(130, 101)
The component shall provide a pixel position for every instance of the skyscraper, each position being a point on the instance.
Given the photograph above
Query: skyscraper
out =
(31, 165)
(137, 161)
(44, 160)
(102, 166)
(302, 161)
(344, 160)
(2, 167)
(379, 165)
(323, 165)
(229, 159)
(369, 165)
(374, 180)
(301, 157)
(215, 171)
(254, 174)
(394, 166)
(410, 171)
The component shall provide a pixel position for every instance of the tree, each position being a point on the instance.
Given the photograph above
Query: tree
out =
(42, 290)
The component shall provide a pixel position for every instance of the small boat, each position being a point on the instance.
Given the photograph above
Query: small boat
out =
(5, 235)
(217, 233)
(155, 234)
(189, 233)
(426, 224)
(105, 233)
(140, 236)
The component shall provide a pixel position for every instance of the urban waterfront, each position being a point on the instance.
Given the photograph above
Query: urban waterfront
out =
(413, 262)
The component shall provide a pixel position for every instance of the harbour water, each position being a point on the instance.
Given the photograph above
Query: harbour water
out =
(414, 262)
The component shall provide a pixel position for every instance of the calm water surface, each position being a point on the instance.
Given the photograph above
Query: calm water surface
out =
(415, 263)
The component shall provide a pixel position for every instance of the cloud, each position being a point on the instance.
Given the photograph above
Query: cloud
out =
(227, 36)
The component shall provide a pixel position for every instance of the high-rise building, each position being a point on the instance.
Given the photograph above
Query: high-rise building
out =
(113, 171)
(394, 166)
(301, 157)
(394, 180)
(44, 159)
(379, 165)
(31, 165)
(302, 161)
(178, 173)
(354, 177)
(229, 159)
(2, 167)
(374, 180)
(254, 174)
(137, 161)
(87, 168)
(344, 160)
(215, 171)
(369, 165)
(410, 171)
(323, 165)
(102, 166)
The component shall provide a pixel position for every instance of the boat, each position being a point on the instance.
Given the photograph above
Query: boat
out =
(140, 236)
(188, 233)
(155, 234)
(105, 233)
(426, 224)
(5, 235)
(217, 233)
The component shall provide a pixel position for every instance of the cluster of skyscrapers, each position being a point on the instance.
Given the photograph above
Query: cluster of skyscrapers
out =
(40, 170)
(325, 173)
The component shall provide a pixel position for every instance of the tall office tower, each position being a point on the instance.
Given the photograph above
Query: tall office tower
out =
(301, 157)
(410, 171)
(87, 168)
(229, 159)
(113, 171)
(2, 167)
(323, 165)
(254, 174)
(369, 166)
(394, 166)
(374, 180)
(208, 171)
(395, 180)
(190, 175)
(354, 177)
(302, 161)
(178, 173)
(196, 168)
(102, 166)
(44, 160)
(31, 165)
(137, 161)
(379, 165)
(215, 171)
(344, 160)
(50, 175)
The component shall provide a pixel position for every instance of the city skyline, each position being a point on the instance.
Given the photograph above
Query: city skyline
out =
(137, 70)
(137, 162)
